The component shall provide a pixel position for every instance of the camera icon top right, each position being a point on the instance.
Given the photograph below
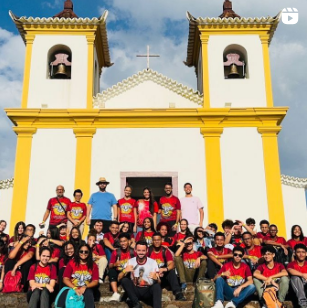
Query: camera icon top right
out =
(290, 16)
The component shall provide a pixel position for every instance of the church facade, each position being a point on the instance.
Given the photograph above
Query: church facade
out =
(149, 129)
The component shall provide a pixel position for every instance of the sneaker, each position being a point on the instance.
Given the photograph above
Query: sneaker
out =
(183, 287)
(101, 281)
(180, 297)
(218, 304)
(115, 297)
(230, 305)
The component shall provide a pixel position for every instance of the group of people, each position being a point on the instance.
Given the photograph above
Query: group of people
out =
(145, 246)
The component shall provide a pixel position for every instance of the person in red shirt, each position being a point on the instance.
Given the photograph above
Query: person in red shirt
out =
(19, 230)
(127, 209)
(271, 273)
(264, 227)
(42, 279)
(111, 240)
(56, 208)
(77, 212)
(118, 263)
(82, 275)
(163, 229)
(146, 207)
(68, 255)
(183, 232)
(190, 264)
(147, 233)
(297, 237)
(284, 252)
(20, 259)
(98, 255)
(125, 228)
(170, 208)
(253, 254)
(298, 271)
(234, 281)
(217, 255)
(55, 252)
(3, 257)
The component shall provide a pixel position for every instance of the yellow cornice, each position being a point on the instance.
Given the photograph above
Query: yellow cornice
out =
(148, 118)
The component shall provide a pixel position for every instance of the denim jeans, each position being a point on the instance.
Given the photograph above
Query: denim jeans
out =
(224, 291)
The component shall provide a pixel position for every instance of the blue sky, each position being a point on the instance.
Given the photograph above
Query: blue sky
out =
(133, 24)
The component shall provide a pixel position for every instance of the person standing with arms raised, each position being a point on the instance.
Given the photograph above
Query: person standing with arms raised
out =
(102, 206)
(192, 208)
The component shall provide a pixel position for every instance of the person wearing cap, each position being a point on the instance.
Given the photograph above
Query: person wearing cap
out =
(102, 206)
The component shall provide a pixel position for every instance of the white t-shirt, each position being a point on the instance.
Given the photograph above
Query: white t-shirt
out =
(140, 275)
(190, 209)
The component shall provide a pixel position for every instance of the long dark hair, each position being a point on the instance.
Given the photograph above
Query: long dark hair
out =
(151, 199)
(16, 235)
(195, 234)
(188, 232)
(151, 227)
(125, 223)
(301, 237)
(89, 259)
(3, 249)
(66, 258)
(79, 240)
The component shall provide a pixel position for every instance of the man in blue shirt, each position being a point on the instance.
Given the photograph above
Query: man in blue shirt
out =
(102, 206)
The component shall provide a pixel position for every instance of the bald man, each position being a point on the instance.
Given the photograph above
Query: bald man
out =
(57, 208)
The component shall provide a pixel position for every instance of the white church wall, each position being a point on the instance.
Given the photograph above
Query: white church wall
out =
(6, 195)
(249, 92)
(149, 94)
(58, 93)
(150, 150)
(52, 163)
(295, 208)
(244, 187)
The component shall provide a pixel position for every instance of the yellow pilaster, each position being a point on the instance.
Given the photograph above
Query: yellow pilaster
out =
(273, 177)
(90, 42)
(21, 174)
(204, 40)
(267, 70)
(29, 43)
(83, 162)
(213, 173)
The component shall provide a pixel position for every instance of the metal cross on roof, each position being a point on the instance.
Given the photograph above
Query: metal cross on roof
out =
(148, 55)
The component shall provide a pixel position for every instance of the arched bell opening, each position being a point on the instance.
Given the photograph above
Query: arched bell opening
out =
(59, 62)
(235, 62)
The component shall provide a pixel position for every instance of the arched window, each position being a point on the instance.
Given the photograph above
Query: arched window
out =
(59, 62)
(235, 62)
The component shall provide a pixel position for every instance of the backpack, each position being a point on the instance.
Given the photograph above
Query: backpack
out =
(119, 253)
(204, 294)
(150, 250)
(270, 298)
(12, 283)
(72, 299)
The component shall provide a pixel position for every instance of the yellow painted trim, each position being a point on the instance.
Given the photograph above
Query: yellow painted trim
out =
(205, 70)
(213, 173)
(90, 77)
(267, 70)
(83, 162)
(21, 174)
(273, 177)
(26, 82)
(148, 118)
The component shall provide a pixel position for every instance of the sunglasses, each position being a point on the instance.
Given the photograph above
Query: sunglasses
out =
(85, 252)
(200, 230)
(238, 255)
(190, 243)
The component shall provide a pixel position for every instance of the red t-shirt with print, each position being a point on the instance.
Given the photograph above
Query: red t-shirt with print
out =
(277, 239)
(294, 265)
(238, 275)
(112, 238)
(98, 250)
(42, 274)
(79, 274)
(57, 214)
(147, 237)
(159, 258)
(143, 211)
(267, 272)
(124, 257)
(262, 236)
(169, 207)
(77, 210)
(254, 252)
(190, 258)
(292, 242)
(126, 209)
(225, 251)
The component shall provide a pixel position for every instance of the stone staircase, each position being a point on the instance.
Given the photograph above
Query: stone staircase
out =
(18, 300)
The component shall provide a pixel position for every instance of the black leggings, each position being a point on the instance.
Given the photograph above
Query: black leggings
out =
(88, 298)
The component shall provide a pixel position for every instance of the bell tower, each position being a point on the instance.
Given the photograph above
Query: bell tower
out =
(65, 55)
